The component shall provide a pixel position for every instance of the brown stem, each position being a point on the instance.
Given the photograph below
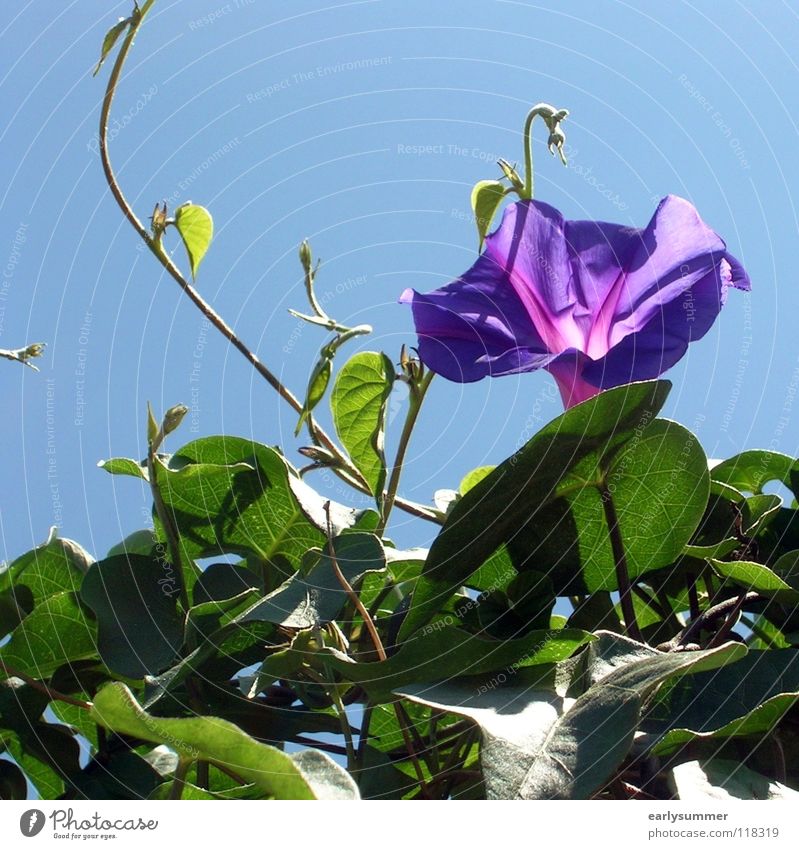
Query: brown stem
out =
(402, 717)
(622, 572)
(344, 468)
(53, 695)
(708, 619)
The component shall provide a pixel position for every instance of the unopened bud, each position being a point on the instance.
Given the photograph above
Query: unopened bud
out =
(306, 257)
(173, 417)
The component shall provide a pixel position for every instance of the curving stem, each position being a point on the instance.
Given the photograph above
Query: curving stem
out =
(343, 467)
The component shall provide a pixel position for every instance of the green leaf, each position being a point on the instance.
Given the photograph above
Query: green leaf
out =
(751, 470)
(306, 775)
(718, 779)
(757, 578)
(232, 496)
(55, 632)
(759, 512)
(121, 775)
(537, 744)
(471, 479)
(110, 40)
(196, 228)
(709, 552)
(139, 542)
(441, 650)
(728, 698)
(317, 386)
(486, 197)
(55, 567)
(124, 466)
(12, 781)
(492, 512)
(134, 598)
(758, 721)
(304, 601)
(358, 403)
(659, 485)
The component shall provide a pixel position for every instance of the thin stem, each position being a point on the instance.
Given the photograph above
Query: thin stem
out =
(402, 717)
(363, 736)
(707, 620)
(415, 405)
(350, 472)
(351, 594)
(172, 537)
(528, 153)
(179, 780)
(729, 623)
(620, 559)
(345, 726)
(53, 695)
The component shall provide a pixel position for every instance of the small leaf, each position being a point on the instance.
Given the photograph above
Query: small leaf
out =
(309, 600)
(110, 40)
(757, 578)
(471, 479)
(358, 403)
(486, 197)
(317, 386)
(124, 466)
(196, 228)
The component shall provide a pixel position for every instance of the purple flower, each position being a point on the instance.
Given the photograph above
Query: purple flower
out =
(596, 304)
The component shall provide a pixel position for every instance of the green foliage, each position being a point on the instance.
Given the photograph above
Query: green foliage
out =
(601, 614)
(196, 228)
(358, 403)
(486, 197)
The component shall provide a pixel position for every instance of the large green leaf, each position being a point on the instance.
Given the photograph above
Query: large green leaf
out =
(358, 402)
(54, 567)
(306, 775)
(540, 744)
(307, 600)
(135, 601)
(230, 495)
(196, 228)
(491, 513)
(55, 632)
(440, 652)
(723, 780)
(750, 696)
(752, 470)
(658, 484)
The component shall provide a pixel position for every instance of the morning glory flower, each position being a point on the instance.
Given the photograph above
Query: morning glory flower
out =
(595, 304)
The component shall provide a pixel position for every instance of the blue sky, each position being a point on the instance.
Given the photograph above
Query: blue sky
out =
(362, 126)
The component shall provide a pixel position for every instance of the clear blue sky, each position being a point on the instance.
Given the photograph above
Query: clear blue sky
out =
(295, 120)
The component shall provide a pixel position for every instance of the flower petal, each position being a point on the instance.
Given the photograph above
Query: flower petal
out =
(673, 253)
(663, 340)
(530, 246)
(476, 326)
